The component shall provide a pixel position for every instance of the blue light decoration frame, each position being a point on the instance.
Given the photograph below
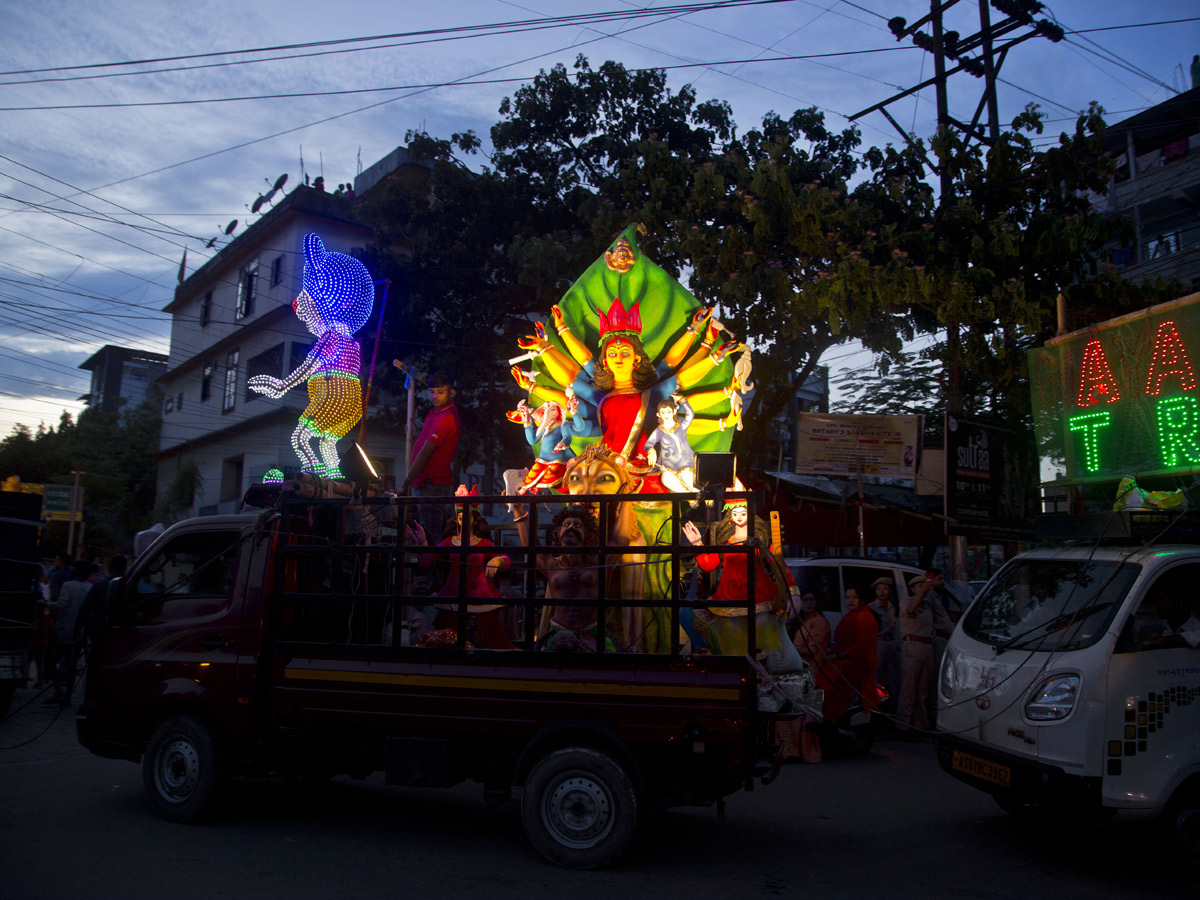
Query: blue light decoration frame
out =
(1120, 398)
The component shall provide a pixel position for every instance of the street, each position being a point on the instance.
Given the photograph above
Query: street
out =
(889, 824)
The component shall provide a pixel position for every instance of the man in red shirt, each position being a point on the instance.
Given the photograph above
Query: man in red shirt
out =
(430, 471)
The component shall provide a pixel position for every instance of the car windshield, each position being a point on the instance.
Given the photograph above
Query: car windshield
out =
(1041, 604)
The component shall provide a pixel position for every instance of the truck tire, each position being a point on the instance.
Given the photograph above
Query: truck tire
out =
(182, 769)
(579, 808)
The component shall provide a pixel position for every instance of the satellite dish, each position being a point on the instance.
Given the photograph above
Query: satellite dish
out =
(280, 182)
(231, 227)
(269, 194)
(257, 204)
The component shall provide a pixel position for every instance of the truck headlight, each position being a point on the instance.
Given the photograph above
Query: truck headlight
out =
(1053, 699)
(946, 680)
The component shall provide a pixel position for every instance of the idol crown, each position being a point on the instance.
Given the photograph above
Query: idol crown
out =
(620, 319)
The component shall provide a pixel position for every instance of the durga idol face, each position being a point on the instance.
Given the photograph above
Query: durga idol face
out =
(621, 359)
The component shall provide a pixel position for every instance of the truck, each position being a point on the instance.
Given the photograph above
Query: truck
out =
(274, 641)
(20, 574)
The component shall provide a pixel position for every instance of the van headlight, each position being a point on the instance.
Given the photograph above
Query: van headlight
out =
(1053, 699)
(946, 681)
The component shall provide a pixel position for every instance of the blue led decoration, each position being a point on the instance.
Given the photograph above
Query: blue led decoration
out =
(335, 301)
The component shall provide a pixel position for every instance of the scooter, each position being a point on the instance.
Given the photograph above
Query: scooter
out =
(853, 733)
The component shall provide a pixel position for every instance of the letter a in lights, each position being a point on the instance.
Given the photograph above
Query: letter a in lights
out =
(1096, 381)
(1170, 358)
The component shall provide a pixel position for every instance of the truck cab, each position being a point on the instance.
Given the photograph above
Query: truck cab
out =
(1073, 683)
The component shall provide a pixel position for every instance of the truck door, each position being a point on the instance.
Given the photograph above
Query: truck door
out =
(1152, 732)
(174, 633)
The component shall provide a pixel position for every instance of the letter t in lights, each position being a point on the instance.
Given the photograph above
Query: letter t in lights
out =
(1178, 424)
(1090, 424)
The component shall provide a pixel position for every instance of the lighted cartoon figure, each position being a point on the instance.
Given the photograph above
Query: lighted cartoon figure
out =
(335, 301)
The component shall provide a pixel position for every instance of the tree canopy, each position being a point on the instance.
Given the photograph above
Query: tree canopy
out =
(798, 237)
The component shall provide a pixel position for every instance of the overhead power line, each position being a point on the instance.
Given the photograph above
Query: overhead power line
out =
(438, 84)
(541, 22)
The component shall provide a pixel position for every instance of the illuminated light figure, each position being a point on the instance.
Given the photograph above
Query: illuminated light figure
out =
(1170, 358)
(273, 476)
(1090, 424)
(1179, 430)
(1096, 379)
(335, 301)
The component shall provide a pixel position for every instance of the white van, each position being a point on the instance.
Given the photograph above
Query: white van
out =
(1073, 682)
(828, 577)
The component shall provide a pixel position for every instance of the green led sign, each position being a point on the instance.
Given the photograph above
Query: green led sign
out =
(1120, 398)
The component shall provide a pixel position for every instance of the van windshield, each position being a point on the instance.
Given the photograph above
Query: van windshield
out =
(1041, 604)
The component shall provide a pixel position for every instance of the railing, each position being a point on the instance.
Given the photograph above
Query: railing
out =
(345, 568)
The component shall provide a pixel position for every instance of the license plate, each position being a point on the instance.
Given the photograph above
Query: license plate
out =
(981, 768)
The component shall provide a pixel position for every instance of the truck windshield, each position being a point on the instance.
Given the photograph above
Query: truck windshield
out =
(1041, 604)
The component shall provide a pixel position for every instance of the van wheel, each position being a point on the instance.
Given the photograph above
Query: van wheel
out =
(1179, 830)
(579, 808)
(182, 769)
(8, 690)
(1026, 810)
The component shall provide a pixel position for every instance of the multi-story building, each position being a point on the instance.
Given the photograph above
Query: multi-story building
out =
(122, 377)
(233, 319)
(1157, 188)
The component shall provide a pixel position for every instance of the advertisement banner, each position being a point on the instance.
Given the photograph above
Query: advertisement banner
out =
(832, 444)
(991, 481)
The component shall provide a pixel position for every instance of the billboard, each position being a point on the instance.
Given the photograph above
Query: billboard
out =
(1120, 398)
(832, 444)
(990, 475)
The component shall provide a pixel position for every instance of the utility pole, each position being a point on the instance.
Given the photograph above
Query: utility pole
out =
(945, 44)
(76, 508)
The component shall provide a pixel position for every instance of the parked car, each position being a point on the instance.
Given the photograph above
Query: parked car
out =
(828, 578)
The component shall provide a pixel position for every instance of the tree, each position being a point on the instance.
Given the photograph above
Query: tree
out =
(115, 452)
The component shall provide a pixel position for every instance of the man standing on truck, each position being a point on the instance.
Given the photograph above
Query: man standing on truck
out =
(430, 471)
(569, 576)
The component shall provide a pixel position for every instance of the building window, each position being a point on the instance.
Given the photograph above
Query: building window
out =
(136, 374)
(206, 309)
(206, 381)
(231, 479)
(247, 285)
(277, 271)
(179, 401)
(268, 363)
(231, 381)
(169, 407)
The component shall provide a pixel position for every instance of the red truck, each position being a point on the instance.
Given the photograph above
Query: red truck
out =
(271, 642)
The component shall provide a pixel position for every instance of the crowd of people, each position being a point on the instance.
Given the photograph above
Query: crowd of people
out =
(72, 602)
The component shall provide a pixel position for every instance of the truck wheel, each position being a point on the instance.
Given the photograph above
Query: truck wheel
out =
(182, 769)
(579, 808)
